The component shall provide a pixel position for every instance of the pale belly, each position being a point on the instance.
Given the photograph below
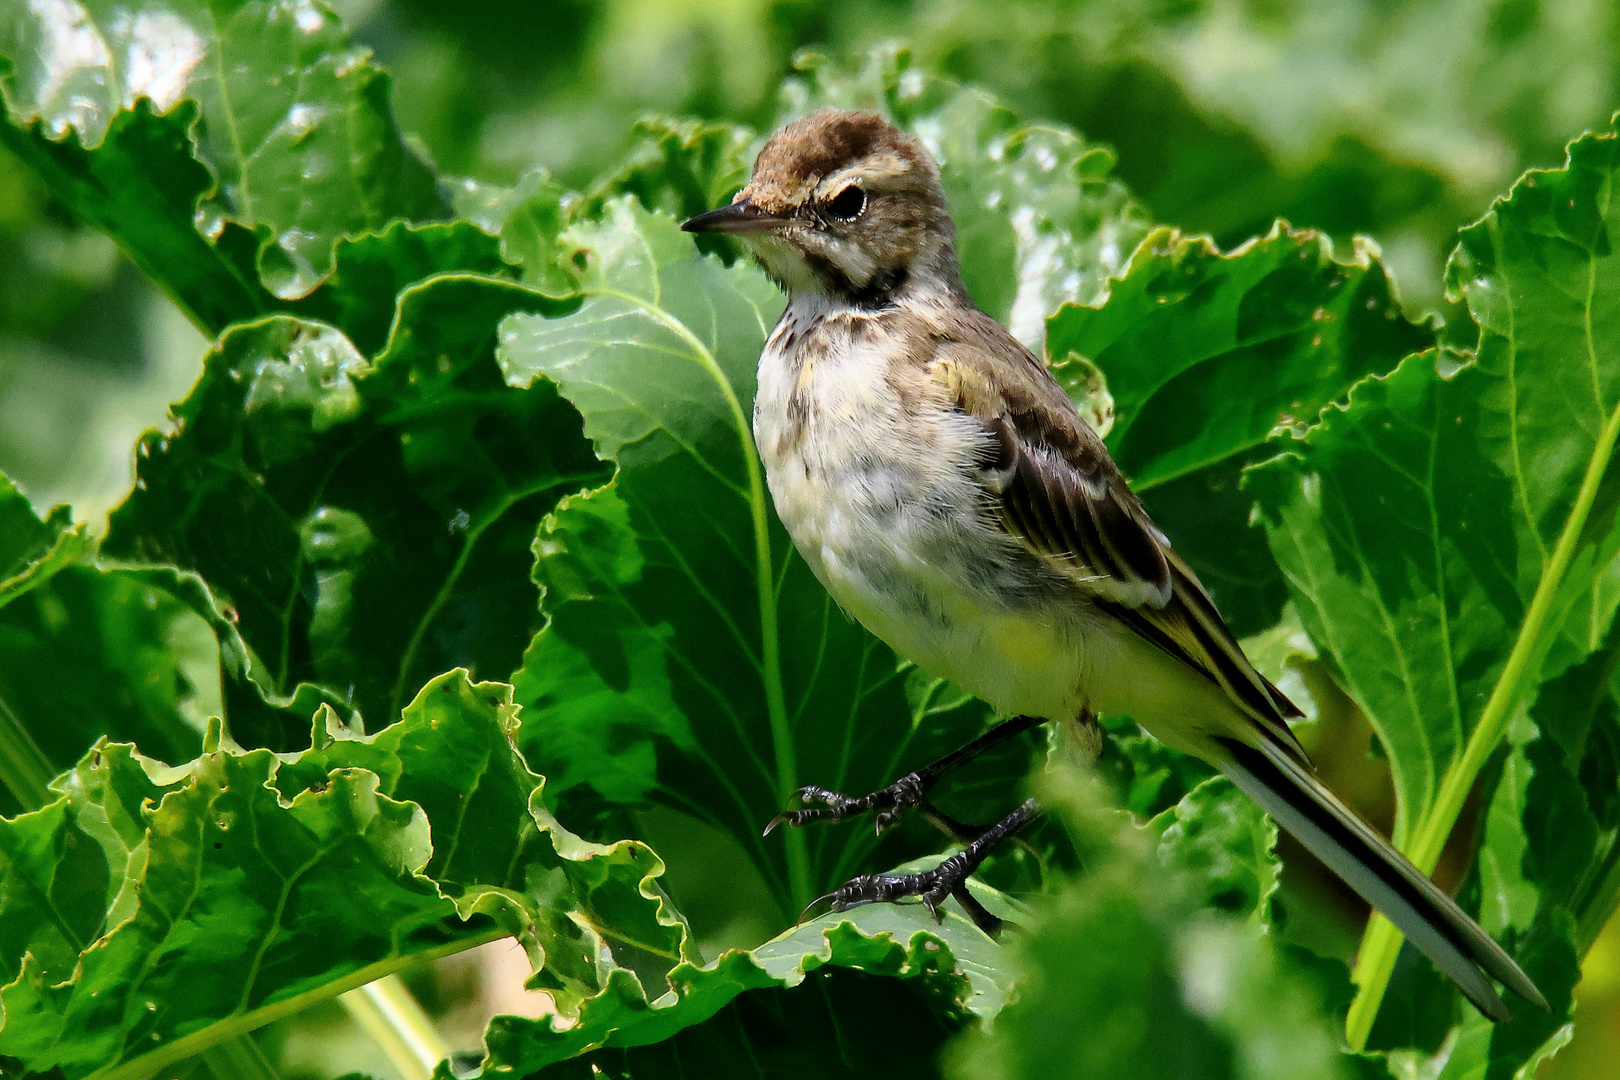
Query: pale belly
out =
(884, 504)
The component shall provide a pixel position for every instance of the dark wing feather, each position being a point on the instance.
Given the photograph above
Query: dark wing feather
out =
(1056, 489)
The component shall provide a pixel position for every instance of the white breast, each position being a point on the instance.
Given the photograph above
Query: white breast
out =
(879, 493)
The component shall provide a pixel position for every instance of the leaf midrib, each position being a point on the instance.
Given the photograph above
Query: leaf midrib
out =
(785, 752)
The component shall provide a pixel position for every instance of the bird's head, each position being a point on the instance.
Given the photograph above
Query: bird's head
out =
(843, 204)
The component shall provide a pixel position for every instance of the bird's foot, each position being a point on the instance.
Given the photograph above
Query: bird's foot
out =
(949, 878)
(904, 795)
(892, 803)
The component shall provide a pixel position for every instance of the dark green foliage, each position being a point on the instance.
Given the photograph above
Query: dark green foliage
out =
(465, 493)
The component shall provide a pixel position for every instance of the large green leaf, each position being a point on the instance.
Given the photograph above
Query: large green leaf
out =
(1351, 511)
(1272, 332)
(119, 655)
(1039, 220)
(1436, 520)
(836, 1025)
(1215, 850)
(953, 964)
(136, 654)
(367, 521)
(295, 122)
(361, 297)
(151, 912)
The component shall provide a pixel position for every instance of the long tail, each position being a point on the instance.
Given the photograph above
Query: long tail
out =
(1369, 864)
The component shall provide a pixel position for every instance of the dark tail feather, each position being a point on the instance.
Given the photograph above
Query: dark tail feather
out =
(1384, 877)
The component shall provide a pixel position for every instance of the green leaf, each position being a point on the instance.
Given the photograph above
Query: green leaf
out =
(691, 656)
(1273, 331)
(1434, 519)
(370, 272)
(1148, 777)
(152, 912)
(1416, 642)
(296, 123)
(120, 655)
(392, 502)
(1039, 220)
(1545, 862)
(837, 1025)
(31, 549)
(141, 185)
(1220, 839)
(527, 217)
(955, 966)
(1127, 975)
(137, 654)
(682, 167)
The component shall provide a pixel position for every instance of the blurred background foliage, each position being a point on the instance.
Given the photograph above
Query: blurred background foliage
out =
(1397, 119)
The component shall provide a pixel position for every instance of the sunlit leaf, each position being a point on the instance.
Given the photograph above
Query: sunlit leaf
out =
(295, 121)
(1438, 526)
(31, 549)
(952, 965)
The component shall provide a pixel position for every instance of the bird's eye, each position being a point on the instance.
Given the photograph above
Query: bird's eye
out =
(848, 204)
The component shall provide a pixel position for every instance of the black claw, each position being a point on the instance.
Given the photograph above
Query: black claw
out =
(817, 900)
(949, 878)
(902, 796)
(892, 804)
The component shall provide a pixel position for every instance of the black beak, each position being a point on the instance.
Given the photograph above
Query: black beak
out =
(739, 217)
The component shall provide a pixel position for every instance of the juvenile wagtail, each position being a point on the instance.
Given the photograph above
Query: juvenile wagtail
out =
(948, 494)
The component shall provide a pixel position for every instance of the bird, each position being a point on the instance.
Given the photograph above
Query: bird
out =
(947, 493)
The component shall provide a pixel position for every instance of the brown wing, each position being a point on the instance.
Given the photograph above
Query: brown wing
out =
(1057, 490)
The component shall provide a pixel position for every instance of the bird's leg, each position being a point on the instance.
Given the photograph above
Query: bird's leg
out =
(905, 794)
(949, 878)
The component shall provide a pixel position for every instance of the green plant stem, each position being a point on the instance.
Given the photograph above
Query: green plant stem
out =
(239, 1059)
(787, 767)
(24, 769)
(399, 1027)
(198, 1041)
(1601, 901)
(1381, 943)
